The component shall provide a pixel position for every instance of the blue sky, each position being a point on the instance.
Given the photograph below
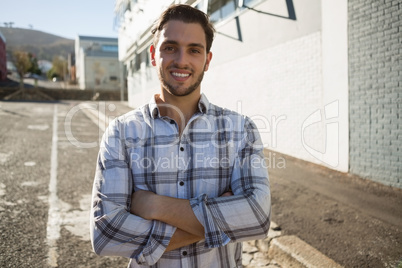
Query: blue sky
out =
(64, 18)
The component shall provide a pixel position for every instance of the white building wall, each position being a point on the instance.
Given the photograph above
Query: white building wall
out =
(136, 23)
(278, 87)
(80, 65)
(336, 82)
(98, 72)
(96, 67)
(78, 61)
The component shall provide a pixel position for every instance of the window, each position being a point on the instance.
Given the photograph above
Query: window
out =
(137, 66)
(110, 48)
(249, 3)
(221, 9)
(147, 60)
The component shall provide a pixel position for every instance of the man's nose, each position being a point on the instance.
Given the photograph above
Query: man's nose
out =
(181, 58)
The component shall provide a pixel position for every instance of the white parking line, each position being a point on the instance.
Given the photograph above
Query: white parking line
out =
(94, 113)
(54, 220)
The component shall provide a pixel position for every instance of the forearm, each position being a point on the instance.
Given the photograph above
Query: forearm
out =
(182, 238)
(178, 212)
(173, 211)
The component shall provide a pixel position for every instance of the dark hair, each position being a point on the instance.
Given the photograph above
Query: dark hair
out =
(187, 14)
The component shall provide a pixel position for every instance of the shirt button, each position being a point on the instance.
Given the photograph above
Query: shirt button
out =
(181, 183)
(184, 253)
(181, 149)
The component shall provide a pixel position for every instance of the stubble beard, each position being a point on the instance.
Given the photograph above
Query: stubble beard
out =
(175, 91)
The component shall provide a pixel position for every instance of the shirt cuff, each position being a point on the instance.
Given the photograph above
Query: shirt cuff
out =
(158, 241)
(214, 236)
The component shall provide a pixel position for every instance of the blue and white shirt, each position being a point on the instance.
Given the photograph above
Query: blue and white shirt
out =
(219, 150)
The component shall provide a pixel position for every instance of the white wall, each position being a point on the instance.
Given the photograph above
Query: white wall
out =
(279, 88)
(335, 80)
(101, 68)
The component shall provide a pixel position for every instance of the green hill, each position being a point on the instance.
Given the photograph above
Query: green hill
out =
(45, 46)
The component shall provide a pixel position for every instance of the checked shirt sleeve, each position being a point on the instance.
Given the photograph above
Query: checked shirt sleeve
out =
(114, 231)
(245, 215)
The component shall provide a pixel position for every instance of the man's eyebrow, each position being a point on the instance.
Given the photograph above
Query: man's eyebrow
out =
(169, 42)
(196, 45)
(172, 42)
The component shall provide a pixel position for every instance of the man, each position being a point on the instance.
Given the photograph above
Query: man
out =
(180, 182)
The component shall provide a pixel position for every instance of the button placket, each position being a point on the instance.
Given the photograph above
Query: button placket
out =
(181, 180)
(185, 260)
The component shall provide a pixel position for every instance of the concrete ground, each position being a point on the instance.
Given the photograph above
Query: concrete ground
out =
(355, 222)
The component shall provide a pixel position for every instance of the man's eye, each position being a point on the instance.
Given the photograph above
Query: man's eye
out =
(196, 51)
(169, 49)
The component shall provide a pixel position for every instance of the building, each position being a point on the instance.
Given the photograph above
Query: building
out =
(71, 68)
(320, 78)
(3, 58)
(96, 62)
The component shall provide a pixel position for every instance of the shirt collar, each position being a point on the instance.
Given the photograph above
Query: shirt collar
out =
(153, 108)
(203, 105)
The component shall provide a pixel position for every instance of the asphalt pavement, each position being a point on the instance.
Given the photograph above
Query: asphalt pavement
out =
(47, 160)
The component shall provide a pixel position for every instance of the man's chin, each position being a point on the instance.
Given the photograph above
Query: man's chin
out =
(179, 91)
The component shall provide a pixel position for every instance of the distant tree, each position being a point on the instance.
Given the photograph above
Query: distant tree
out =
(59, 68)
(52, 74)
(8, 24)
(34, 69)
(22, 64)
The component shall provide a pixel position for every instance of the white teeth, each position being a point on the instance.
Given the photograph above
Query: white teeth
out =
(180, 74)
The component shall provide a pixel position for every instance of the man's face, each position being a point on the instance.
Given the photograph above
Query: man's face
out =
(180, 57)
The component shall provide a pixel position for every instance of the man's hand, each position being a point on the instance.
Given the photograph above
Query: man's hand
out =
(230, 193)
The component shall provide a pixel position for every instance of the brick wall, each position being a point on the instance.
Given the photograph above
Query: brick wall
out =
(375, 95)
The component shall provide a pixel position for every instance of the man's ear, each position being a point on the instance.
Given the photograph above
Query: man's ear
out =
(152, 52)
(209, 58)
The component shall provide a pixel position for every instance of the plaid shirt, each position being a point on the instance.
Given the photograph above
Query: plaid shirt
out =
(219, 150)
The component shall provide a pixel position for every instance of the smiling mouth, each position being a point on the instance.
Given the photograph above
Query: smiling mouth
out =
(180, 75)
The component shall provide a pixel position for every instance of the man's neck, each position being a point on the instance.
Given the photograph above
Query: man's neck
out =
(180, 109)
